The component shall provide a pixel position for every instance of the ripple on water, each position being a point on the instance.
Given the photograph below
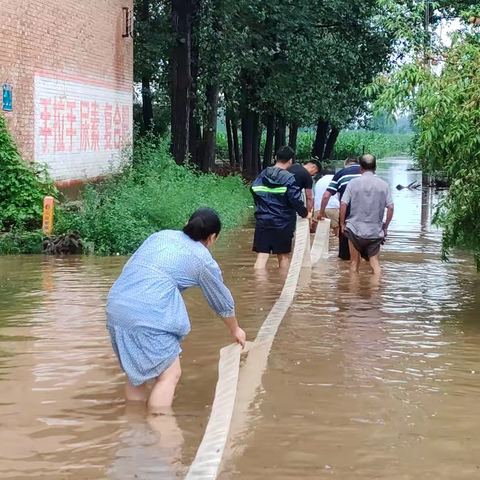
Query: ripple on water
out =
(366, 379)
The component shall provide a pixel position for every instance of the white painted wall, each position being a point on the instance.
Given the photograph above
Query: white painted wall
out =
(81, 125)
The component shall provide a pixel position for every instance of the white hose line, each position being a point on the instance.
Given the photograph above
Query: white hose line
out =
(210, 453)
(321, 241)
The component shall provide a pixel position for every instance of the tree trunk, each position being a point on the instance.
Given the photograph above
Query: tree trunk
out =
(236, 145)
(268, 154)
(332, 139)
(147, 109)
(280, 133)
(259, 146)
(181, 78)
(256, 144)
(321, 136)
(292, 139)
(247, 141)
(195, 131)
(231, 155)
(210, 129)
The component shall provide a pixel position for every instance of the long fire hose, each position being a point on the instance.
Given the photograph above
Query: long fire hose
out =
(227, 405)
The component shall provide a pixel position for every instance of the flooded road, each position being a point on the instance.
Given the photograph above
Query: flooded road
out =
(365, 380)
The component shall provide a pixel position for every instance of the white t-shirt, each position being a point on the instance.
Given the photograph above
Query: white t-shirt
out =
(320, 188)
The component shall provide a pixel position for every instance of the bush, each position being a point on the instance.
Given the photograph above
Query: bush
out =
(155, 193)
(22, 186)
(20, 241)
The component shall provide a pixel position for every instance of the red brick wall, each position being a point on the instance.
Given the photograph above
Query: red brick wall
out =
(73, 38)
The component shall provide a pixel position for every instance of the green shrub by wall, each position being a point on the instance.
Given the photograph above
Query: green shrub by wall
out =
(23, 187)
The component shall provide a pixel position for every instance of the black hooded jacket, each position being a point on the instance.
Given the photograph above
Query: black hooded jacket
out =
(277, 199)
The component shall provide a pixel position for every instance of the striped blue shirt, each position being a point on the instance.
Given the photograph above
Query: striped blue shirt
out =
(341, 179)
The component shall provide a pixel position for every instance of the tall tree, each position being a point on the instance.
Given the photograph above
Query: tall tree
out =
(268, 151)
(195, 129)
(292, 136)
(152, 44)
(445, 114)
(181, 77)
(320, 138)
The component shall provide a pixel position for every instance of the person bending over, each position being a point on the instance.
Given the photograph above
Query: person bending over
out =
(146, 315)
(304, 179)
(338, 185)
(332, 210)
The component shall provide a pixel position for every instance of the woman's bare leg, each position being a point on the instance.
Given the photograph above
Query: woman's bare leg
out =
(135, 393)
(262, 259)
(161, 397)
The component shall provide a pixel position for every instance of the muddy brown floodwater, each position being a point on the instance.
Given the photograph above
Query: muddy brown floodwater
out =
(365, 380)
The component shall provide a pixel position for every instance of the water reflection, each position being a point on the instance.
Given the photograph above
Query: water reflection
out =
(368, 378)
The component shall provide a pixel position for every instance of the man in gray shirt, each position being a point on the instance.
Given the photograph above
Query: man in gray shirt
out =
(368, 197)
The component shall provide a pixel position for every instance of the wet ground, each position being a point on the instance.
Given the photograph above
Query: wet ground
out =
(366, 380)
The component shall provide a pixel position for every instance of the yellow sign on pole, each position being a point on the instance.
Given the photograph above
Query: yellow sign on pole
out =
(48, 208)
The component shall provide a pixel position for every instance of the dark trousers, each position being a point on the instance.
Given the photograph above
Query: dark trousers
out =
(343, 250)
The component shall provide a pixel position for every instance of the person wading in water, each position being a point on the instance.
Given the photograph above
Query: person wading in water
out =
(146, 315)
(368, 196)
(277, 200)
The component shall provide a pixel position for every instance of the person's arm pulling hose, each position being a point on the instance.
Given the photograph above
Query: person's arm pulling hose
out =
(309, 197)
(326, 197)
(235, 330)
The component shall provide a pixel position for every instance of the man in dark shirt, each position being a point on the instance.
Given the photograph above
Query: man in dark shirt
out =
(304, 179)
(338, 185)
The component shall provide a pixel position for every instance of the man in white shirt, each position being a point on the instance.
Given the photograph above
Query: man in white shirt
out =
(332, 211)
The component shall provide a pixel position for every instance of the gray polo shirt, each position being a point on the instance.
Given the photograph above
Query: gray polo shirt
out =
(368, 196)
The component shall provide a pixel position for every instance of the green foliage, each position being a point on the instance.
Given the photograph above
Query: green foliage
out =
(446, 117)
(122, 211)
(349, 143)
(21, 241)
(22, 186)
(222, 146)
(382, 145)
(304, 60)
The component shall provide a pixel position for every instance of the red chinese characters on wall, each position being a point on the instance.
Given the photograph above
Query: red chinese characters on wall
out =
(85, 126)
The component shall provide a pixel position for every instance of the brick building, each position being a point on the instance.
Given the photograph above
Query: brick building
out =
(66, 73)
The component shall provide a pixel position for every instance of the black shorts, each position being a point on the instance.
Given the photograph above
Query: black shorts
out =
(273, 240)
(367, 247)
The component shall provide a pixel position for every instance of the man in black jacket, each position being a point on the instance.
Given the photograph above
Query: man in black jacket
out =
(278, 200)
